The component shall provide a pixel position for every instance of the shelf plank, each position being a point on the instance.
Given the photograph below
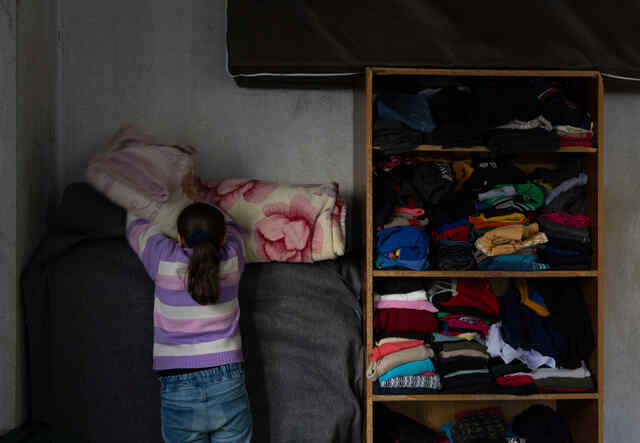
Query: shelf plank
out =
(381, 70)
(439, 148)
(486, 274)
(486, 397)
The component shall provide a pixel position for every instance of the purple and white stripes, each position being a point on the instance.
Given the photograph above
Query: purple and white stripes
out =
(186, 334)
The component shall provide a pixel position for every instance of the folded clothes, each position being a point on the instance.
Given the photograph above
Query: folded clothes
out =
(464, 353)
(483, 222)
(564, 218)
(403, 246)
(418, 295)
(432, 181)
(499, 368)
(380, 336)
(581, 248)
(509, 239)
(403, 219)
(512, 262)
(458, 233)
(514, 380)
(462, 170)
(468, 383)
(388, 340)
(579, 373)
(517, 140)
(556, 382)
(466, 324)
(573, 201)
(413, 381)
(566, 185)
(527, 197)
(467, 372)
(454, 255)
(379, 390)
(466, 337)
(411, 109)
(377, 368)
(404, 320)
(421, 305)
(471, 296)
(389, 348)
(556, 230)
(463, 345)
(450, 366)
(394, 137)
(410, 368)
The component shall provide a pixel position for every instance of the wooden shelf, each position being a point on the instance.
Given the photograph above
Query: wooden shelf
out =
(486, 274)
(486, 397)
(438, 148)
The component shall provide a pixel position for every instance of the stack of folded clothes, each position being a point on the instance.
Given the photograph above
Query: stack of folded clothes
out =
(454, 250)
(467, 308)
(563, 218)
(563, 380)
(510, 247)
(402, 360)
(512, 378)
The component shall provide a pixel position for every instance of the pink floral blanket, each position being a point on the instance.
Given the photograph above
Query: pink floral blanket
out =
(281, 222)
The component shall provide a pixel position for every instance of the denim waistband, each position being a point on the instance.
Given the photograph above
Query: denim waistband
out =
(223, 371)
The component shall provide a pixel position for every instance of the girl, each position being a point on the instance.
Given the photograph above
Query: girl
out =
(197, 344)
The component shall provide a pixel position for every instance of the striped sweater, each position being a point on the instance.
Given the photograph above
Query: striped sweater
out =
(186, 334)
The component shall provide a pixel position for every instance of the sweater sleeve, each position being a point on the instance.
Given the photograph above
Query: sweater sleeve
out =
(151, 245)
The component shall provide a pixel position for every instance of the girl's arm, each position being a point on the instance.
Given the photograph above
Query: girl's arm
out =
(148, 243)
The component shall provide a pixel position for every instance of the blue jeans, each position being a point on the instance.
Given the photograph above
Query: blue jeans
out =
(209, 406)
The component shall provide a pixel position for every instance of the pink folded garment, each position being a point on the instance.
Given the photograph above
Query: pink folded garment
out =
(421, 305)
(564, 218)
(140, 174)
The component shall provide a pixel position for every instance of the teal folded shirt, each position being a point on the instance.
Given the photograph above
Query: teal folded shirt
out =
(409, 368)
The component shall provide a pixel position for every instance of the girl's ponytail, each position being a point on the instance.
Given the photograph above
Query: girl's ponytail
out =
(203, 229)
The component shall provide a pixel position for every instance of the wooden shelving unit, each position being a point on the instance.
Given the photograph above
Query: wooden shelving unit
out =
(583, 411)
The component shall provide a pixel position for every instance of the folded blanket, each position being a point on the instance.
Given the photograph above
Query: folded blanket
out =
(144, 177)
(285, 223)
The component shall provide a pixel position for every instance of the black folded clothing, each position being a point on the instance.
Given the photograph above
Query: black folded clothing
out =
(560, 260)
(516, 140)
(394, 137)
(454, 138)
(461, 364)
(397, 285)
(468, 383)
(454, 255)
(528, 389)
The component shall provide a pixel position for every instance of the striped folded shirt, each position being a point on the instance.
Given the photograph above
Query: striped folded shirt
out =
(187, 334)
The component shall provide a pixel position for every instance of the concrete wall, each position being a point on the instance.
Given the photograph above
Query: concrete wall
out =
(162, 66)
(8, 289)
(622, 268)
(27, 110)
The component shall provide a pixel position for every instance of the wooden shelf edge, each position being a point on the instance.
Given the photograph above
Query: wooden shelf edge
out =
(438, 148)
(485, 397)
(487, 274)
(381, 70)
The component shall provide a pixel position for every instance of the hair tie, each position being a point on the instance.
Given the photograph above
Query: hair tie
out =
(196, 237)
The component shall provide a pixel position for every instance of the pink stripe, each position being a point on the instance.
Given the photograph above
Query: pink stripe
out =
(195, 324)
(135, 234)
(173, 282)
(420, 305)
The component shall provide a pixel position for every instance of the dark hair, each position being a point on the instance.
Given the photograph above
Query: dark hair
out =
(202, 227)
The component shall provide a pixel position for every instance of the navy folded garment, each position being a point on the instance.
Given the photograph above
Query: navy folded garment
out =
(403, 246)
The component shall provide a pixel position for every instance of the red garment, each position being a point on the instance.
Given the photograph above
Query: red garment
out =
(458, 233)
(481, 327)
(574, 141)
(427, 373)
(564, 218)
(477, 293)
(389, 348)
(485, 225)
(514, 380)
(405, 320)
